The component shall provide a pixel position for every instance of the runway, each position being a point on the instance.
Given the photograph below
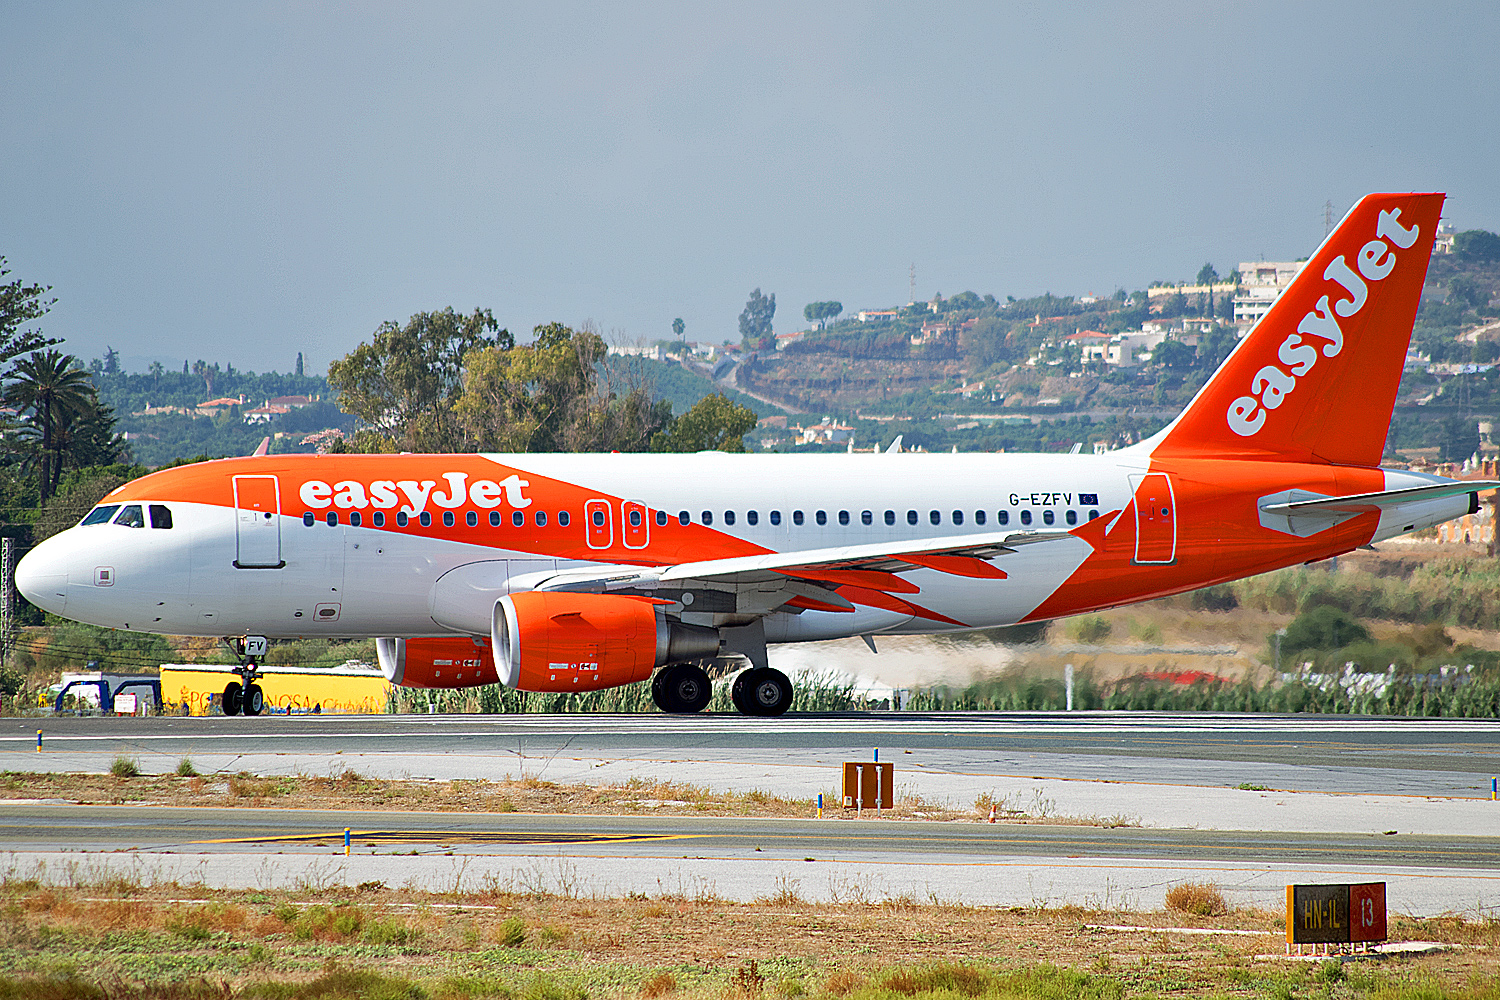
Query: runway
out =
(1250, 802)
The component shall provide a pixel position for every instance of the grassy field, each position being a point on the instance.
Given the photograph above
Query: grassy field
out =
(117, 938)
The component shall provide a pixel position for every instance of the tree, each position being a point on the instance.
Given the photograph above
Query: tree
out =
(821, 312)
(678, 326)
(755, 321)
(713, 424)
(208, 373)
(1173, 354)
(554, 394)
(1207, 275)
(1476, 245)
(1459, 439)
(404, 384)
(157, 371)
(1323, 628)
(53, 390)
(299, 362)
(1214, 345)
(21, 304)
(111, 361)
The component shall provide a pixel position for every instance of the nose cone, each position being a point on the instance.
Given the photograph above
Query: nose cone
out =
(42, 576)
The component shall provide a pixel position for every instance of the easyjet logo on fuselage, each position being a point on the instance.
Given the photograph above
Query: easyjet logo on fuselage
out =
(1272, 384)
(386, 494)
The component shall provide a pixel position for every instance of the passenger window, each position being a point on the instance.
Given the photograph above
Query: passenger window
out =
(1072, 517)
(958, 517)
(130, 517)
(378, 518)
(1025, 517)
(541, 518)
(161, 517)
(472, 519)
(911, 517)
(752, 517)
(518, 518)
(1093, 514)
(843, 517)
(401, 518)
(729, 517)
(822, 517)
(355, 519)
(1003, 517)
(332, 517)
(708, 517)
(775, 517)
(866, 517)
(796, 517)
(562, 518)
(447, 518)
(308, 518)
(684, 518)
(1048, 517)
(494, 519)
(99, 515)
(426, 519)
(979, 517)
(890, 517)
(661, 519)
(936, 517)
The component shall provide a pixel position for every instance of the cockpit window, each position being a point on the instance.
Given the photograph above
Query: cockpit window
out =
(161, 517)
(130, 517)
(99, 515)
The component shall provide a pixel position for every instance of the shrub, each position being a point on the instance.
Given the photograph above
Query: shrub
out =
(185, 768)
(511, 932)
(1200, 899)
(659, 985)
(124, 767)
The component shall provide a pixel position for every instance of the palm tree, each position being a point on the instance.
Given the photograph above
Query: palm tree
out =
(53, 390)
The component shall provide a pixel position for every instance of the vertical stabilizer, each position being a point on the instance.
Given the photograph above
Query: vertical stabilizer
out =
(1316, 379)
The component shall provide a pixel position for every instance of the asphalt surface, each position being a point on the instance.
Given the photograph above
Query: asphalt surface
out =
(31, 827)
(1308, 753)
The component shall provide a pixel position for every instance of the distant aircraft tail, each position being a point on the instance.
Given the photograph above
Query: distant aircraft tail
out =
(1316, 379)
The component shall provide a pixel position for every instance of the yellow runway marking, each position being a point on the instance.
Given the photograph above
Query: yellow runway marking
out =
(449, 837)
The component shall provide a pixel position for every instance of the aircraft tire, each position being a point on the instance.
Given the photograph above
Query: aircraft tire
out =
(253, 701)
(681, 689)
(231, 703)
(767, 692)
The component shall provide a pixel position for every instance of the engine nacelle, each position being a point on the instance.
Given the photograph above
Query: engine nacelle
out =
(439, 662)
(547, 641)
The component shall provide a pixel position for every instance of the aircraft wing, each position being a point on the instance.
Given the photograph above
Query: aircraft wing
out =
(829, 579)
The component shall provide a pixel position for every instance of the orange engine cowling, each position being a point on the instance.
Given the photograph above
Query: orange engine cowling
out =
(546, 641)
(440, 662)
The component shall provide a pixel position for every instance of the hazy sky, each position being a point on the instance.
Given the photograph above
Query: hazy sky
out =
(241, 181)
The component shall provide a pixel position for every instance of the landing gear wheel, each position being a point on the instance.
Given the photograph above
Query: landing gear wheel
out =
(681, 688)
(253, 701)
(762, 691)
(231, 703)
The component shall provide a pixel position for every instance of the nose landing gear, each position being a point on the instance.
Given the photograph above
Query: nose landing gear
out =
(245, 695)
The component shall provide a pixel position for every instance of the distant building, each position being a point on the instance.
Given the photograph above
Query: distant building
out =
(654, 351)
(1261, 284)
(295, 402)
(784, 339)
(877, 315)
(930, 333)
(1444, 241)
(828, 431)
(265, 414)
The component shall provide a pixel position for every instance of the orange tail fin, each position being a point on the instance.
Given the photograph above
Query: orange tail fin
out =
(1316, 379)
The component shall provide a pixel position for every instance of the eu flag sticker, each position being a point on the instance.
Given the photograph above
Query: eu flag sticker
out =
(1088, 498)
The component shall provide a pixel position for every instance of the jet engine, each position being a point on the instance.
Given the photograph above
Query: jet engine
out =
(439, 662)
(554, 641)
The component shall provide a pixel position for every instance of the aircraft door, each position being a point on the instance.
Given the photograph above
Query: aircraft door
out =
(257, 522)
(636, 521)
(599, 524)
(1155, 519)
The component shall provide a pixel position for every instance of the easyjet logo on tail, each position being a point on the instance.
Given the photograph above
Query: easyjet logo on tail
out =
(1270, 386)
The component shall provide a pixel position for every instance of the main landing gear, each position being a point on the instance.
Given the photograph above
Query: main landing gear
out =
(683, 688)
(244, 695)
(761, 691)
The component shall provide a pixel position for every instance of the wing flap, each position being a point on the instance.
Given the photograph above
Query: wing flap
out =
(1360, 503)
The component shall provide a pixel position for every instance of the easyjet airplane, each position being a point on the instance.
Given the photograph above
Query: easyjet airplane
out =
(577, 572)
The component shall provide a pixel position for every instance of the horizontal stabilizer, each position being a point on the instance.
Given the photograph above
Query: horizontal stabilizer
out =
(1360, 503)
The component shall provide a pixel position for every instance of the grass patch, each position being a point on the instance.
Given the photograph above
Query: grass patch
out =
(124, 767)
(1199, 899)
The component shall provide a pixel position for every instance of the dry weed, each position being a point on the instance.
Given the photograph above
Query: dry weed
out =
(659, 985)
(1200, 899)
